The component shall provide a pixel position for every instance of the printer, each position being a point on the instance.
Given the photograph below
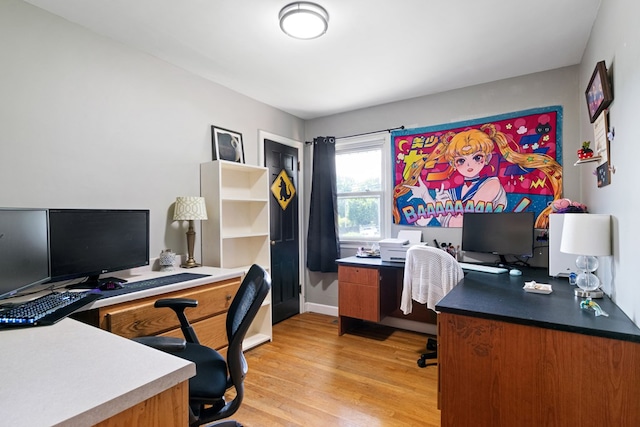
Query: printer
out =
(395, 249)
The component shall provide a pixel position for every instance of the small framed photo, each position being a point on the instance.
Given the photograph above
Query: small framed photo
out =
(227, 145)
(604, 175)
(598, 93)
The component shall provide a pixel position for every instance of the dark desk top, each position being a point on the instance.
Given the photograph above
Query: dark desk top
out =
(368, 262)
(501, 297)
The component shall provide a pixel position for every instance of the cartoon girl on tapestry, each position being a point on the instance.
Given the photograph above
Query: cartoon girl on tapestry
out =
(460, 174)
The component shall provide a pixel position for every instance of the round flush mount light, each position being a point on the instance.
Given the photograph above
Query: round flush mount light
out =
(304, 20)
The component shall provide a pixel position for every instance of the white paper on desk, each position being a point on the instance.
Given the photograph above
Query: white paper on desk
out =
(413, 236)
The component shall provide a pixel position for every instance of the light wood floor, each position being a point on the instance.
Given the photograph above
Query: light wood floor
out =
(309, 376)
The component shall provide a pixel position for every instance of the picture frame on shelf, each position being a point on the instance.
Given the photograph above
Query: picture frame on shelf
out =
(227, 145)
(599, 95)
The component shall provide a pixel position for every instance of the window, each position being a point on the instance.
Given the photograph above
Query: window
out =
(362, 183)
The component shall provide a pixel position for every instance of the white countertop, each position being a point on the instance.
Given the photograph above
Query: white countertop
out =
(72, 374)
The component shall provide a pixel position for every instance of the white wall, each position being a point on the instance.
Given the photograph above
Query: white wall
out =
(88, 122)
(557, 87)
(615, 38)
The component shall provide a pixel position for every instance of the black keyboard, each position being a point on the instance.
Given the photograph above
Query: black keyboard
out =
(142, 285)
(47, 309)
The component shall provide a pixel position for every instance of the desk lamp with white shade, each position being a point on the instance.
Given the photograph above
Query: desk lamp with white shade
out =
(190, 208)
(588, 236)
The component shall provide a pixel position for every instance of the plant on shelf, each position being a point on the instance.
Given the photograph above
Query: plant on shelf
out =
(585, 152)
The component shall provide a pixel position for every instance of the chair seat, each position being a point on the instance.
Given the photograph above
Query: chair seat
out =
(210, 381)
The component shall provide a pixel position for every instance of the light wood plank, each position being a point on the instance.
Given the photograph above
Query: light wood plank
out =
(168, 408)
(310, 376)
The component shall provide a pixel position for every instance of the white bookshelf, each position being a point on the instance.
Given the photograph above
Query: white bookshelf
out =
(236, 235)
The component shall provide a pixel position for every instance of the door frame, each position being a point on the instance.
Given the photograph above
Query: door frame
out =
(299, 146)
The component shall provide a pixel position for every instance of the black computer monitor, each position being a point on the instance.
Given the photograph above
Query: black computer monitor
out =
(24, 249)
(91, 242)
(503, 233)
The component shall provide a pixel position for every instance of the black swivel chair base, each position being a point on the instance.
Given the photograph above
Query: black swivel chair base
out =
(226, 423)
(432, 353)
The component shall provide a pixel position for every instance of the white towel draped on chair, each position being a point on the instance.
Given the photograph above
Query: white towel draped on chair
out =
(429, 274)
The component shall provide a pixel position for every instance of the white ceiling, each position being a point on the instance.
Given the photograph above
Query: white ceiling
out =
(375, 51)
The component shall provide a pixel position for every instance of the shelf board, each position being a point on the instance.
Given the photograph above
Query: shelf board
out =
(589, 160)
(246, 235)
(251, 341)
(243, 199)
(243, 167)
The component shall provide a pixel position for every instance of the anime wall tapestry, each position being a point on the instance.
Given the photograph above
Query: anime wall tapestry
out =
(506, 163)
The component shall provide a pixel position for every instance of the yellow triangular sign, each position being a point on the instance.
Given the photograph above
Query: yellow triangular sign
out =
(282, 189)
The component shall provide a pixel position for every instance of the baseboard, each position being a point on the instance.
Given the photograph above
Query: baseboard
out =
(395, 322)
(329, 310)
(410, 325)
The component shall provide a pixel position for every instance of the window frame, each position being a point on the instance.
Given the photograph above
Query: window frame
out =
(368, 142)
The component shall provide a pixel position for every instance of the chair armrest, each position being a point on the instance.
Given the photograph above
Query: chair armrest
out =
(168, 344)
(176, 303)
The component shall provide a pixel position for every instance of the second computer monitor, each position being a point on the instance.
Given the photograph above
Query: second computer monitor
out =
(503, 233)
(90, 242)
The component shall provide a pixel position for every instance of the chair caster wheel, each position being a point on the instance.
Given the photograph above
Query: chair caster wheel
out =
(422, 363)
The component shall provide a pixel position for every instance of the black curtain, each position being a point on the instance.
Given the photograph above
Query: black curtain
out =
(323, 246)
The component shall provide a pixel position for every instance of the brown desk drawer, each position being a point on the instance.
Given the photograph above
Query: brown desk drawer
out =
(358, 301)
(211, 332)
(360, 275)
(139, 318)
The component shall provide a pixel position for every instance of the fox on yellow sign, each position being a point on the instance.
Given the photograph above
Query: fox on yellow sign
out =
(283, 189)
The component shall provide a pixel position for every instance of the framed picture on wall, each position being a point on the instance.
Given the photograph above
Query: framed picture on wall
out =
(227, 145)
(598, 93)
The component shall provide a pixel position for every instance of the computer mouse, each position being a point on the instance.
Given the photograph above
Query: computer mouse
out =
(515, 272)
(110, 286)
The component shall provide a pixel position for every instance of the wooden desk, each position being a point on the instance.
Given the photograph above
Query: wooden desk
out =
(370, 289)
(133, 315)
(72, 374)
(508, 357)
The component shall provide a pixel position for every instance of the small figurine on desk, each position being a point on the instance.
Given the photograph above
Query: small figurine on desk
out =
(167, 258)
(589, 304)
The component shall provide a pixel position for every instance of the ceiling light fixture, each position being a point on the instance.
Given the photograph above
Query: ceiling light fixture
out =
(304, 20)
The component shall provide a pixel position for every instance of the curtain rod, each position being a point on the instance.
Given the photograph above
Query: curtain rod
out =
(362, 134)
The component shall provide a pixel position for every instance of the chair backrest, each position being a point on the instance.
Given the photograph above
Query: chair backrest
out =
(244, 307)
(429, 274)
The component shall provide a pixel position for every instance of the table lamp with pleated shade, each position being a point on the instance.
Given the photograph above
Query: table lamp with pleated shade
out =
(190, 208)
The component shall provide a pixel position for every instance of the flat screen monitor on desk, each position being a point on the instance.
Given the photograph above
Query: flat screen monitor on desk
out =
(503, 234)
(24, 249)
(91, 242)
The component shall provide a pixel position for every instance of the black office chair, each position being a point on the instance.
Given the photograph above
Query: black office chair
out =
(429, 274)
(214, 376)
